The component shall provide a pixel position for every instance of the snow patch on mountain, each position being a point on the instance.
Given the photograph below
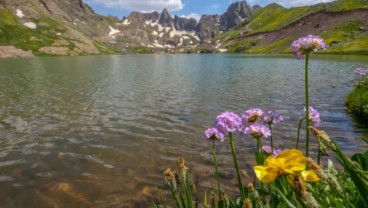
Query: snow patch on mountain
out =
(127, 22)
(31, 25)
(20, 13)
(113, 31)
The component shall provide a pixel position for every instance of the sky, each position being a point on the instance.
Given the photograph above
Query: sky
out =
(184, 8)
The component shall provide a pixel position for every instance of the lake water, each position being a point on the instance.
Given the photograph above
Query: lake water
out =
(98, 131)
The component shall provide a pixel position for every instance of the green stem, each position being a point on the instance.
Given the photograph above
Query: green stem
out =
(307, 105)
(297, 137)
(259, 148)
(319, 156)
(178, 200)
(216, 170)
(271, 137)
(286, 200)
(240, 184)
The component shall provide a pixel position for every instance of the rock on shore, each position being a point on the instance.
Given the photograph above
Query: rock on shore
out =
(13, 52)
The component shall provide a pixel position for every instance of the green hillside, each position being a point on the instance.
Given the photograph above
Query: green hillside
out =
(344, 37)
(12, 32)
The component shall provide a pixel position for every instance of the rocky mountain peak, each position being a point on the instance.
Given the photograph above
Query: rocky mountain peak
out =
(166, 19)
(208, 27)
(235, 13)
(256, 8)
(181, 23)
(141, 18)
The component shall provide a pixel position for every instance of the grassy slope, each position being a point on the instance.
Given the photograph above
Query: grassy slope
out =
(14, 33)
(274, 16)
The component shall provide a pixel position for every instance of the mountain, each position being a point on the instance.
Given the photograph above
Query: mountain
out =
(211, 25)
(71, 27)
(238, 11)
(342, 23)
(208, 27)
(149, 32)
(181, 23)
(165, 19)
(53, 27)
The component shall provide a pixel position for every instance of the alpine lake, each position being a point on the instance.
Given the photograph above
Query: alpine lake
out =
(98, 131)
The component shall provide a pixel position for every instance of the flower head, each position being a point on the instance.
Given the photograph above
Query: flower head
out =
(214, 134)
(169, 174)
(276, 152)
(287, 162)
(251, 115)
(314, 116)
(228, 122)
(258, 131)
(267, 149)
(306, 45)
(361, 71)
(271, 118)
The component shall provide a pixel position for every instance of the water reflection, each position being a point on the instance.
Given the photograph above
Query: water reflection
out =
(98, 131)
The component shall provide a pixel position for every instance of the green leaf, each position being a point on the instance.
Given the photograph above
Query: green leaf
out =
(290, 205)
(221, 204)
(359, 179)
(361, 159)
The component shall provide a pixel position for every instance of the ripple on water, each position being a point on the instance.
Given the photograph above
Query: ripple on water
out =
(87, 158)
(44, 174)
(11, 162)
(5, 178)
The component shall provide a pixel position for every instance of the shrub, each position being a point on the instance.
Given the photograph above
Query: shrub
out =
(356, 102)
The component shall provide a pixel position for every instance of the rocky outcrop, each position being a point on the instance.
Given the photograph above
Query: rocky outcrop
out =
(211, 25)
(166, 19)
(256, 8)
(61, 51)
(181, 23)
(141, 18)
(13, 52)
(60, 9)
(236, 12)
(208, 27)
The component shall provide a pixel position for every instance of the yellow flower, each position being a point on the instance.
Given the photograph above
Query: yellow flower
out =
(287, 162)
(309, 176)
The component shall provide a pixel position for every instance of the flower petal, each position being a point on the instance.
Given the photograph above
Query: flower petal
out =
(265, 174)
(291, 161)
(309, 176)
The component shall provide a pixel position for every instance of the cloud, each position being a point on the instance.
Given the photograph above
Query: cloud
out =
(215, 6)
(140, 5)
(288, 3)
(192, 15)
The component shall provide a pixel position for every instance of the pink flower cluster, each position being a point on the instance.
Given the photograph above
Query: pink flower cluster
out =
(361, 71)
(253, 122)
(306, 45)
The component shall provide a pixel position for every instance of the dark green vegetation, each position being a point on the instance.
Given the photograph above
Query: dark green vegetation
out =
(144, 50)
(357, 102)
(342, 23)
